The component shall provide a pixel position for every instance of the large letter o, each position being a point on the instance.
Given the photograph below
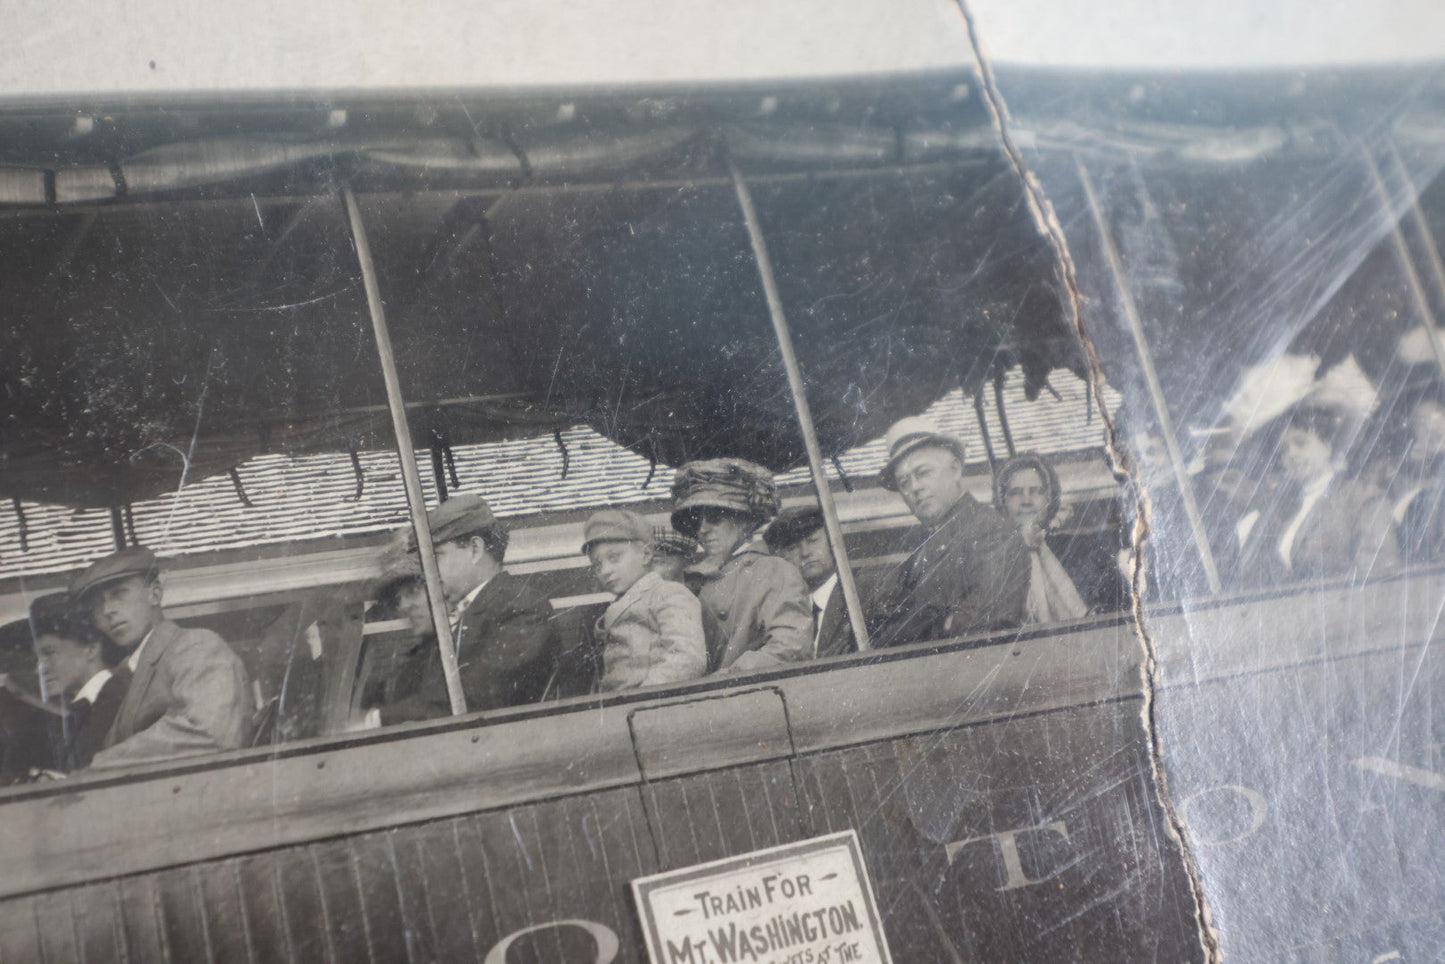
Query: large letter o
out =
(607, 943)
(1258, 810)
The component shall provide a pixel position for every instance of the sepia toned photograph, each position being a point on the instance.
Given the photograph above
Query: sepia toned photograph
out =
(867, 481)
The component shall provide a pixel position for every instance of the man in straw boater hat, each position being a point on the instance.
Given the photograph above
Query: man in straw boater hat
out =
(188, 692)
(500, 628)
(758, 602)
(970, 573)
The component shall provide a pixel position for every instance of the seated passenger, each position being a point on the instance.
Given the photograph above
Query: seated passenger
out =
(400, 594)
(1026, 491)
(500, 628)
(672, 553)
(1419, 499)
(188, 692)
(652, 633)
(758, 602)
(83, 671)
(1319, 523)
(970, 571)
(798, 536)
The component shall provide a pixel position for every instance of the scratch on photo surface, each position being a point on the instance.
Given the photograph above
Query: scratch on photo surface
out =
(1048, 224)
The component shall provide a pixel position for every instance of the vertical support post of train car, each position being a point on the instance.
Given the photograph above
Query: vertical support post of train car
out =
(406, 454)
(1402, 252)
(1151, 379)
(831, 525)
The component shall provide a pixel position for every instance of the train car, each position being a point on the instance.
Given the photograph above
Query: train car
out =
(245, 320)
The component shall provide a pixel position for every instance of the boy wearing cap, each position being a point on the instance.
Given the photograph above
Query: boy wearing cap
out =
(652, 633)
(188, 692)
(758, 602)
(970, 572)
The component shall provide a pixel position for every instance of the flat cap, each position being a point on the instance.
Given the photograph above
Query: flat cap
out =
(134, 561)
(459, 516)
(615, 525)
(792, 526)
(909, 435)
(670, 542)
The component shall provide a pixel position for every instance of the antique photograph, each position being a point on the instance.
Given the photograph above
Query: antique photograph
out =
(826, 482)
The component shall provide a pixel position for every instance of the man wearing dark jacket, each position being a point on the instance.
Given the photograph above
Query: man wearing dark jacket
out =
(502, 630)
(797, 535)
(970, 572)
(84, 669)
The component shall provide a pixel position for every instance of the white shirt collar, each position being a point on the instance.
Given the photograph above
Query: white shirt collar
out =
(823, 593)
(133, 660)
(92, 687)
(466, 601)
(1310, 493)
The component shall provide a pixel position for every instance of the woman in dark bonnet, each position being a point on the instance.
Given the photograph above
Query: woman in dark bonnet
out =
(1072, 574)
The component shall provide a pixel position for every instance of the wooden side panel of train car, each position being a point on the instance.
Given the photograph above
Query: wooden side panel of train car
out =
(1004, 804)
(1003, 795)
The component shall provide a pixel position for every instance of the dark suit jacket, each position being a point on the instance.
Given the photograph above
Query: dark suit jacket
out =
(969, 575)
(87, 722)
(1348, 532)
(507, 655)
(835, 632)
(189, 695)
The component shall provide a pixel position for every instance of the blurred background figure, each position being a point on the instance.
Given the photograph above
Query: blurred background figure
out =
(1321, 522)
(1417, 488)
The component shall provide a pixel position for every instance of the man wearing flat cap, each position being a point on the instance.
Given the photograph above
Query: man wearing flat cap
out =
(756, 603)
(797, 535)
(188, 692)
(970, 572)
(500, 628)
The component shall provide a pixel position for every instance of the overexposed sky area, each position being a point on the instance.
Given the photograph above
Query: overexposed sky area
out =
(51, 50)
(1220, 34)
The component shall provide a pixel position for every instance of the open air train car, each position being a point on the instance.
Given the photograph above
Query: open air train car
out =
(1246, 769)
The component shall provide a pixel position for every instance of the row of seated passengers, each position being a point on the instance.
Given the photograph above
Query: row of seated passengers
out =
(137, 687)
(140, 688)
(706, 597)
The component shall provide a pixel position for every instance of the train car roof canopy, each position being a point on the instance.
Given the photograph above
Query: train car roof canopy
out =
(186, 295)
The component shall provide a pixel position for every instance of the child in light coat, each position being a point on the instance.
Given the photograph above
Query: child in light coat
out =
(652, 633)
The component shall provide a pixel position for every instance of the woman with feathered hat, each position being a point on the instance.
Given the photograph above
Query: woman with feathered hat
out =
(757, 602)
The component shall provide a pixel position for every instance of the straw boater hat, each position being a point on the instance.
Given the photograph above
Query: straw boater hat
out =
(909, 435)
(733, 484)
